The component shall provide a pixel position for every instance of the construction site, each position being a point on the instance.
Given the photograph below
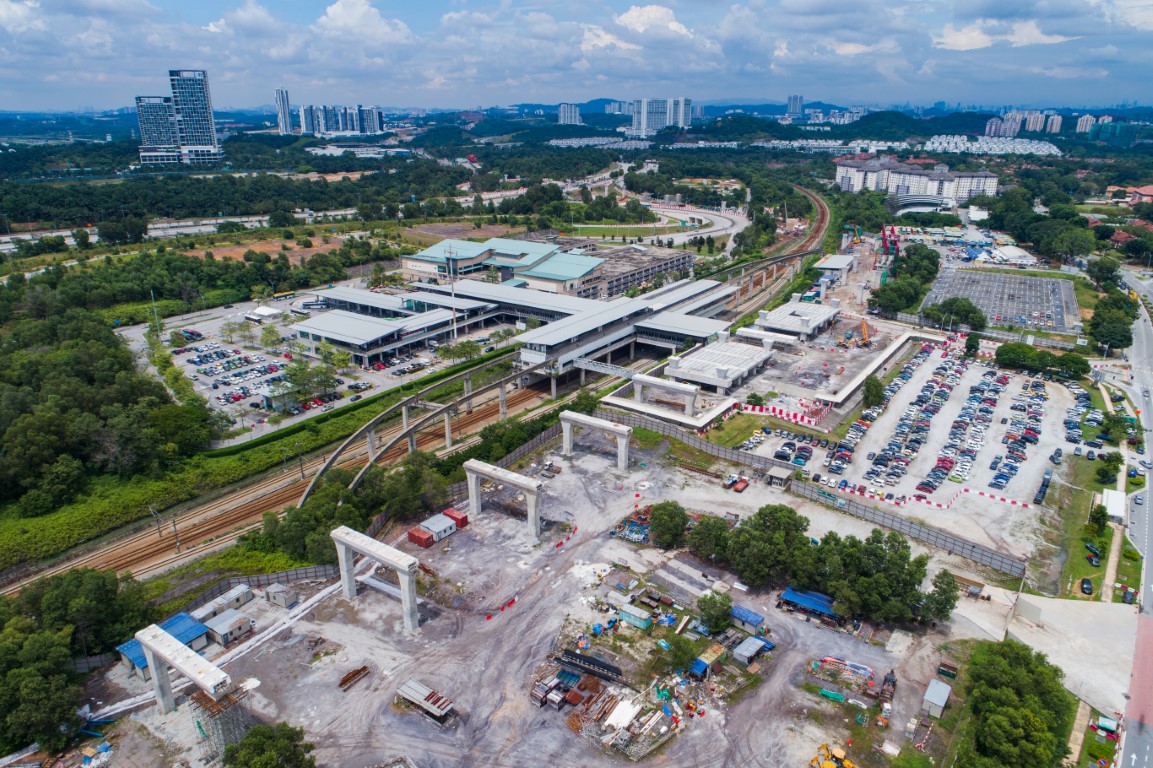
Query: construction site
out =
(522, 647)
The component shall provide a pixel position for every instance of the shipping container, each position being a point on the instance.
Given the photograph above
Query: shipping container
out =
(421, 537)
(458, 517)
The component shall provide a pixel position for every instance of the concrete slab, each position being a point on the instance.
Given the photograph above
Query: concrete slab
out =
(1093, 642)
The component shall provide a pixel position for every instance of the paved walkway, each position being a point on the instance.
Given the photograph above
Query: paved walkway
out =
(1077, 737)
(1115, 547)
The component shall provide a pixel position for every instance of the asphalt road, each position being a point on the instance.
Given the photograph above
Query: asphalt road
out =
(1138, 748)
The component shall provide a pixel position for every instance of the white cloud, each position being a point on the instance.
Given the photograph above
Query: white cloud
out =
(888, 45)
(360, 20)
(250, 18)
(967, 38)
(1136, 13)
(598, 37)
(17, 16)
(641, 18)
(1071, 73)
(1028, 33)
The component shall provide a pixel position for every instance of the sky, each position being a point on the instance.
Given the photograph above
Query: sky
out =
(70, 54)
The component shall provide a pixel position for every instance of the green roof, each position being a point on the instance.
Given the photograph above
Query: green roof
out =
(563, 266)
(457, 249)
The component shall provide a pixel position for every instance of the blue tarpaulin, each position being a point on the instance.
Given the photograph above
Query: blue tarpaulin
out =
(769, 644)
(181, 626)
(699, 668)
(745, 616)
(810, 601)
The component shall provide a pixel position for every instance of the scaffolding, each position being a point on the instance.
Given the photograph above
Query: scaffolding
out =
(220, 721)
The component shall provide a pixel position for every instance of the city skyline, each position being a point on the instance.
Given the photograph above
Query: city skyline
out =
(1088, 54)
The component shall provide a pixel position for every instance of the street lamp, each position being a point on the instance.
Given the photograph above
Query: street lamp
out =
(300, 459)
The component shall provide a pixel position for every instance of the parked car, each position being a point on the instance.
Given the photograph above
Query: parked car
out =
(1086, 586)
(1093, 560)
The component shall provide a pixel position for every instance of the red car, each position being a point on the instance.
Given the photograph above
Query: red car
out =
(378, 366)
(287, 356)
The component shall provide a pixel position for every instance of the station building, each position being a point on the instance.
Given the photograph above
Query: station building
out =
(803, 321)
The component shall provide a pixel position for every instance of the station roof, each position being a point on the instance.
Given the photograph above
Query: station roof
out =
(181, 626)
(503, 294)
(813, 601)
(596, 316)
(836, 261)
(440, 300)
(563, 266)
(675, 293)
(349, 327)
(382, 301)
(425, 320)
(522, 253)
(687, 325)
(788, 317)
(736, 356)
(454, 249)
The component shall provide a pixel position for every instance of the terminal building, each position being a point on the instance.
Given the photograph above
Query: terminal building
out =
(547, 262)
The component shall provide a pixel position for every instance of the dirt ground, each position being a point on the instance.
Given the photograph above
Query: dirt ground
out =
(486, 665)
(272, 248)
(465, 230)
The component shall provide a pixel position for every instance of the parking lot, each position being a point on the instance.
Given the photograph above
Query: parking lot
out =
(1010, 528)
(1035, 302)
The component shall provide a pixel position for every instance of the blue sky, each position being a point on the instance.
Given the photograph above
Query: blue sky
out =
(65, 54)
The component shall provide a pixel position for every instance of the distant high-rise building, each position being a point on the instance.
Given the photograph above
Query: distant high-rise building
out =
(796, 106)
(1054, 124)
(283, 113)
(1085, 122)
(322, 119)
(1104, 119)
(1035, 122)
(180, 129)
(653, 115)
(993, 126)
(569, 114)
(308, 120)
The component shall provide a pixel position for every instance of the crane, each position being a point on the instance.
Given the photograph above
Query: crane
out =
(831, 758)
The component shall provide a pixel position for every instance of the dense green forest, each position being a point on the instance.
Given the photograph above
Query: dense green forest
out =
(74, 614)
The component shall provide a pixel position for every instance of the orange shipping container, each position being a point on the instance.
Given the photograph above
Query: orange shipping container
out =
(421, 537)
(458, 517)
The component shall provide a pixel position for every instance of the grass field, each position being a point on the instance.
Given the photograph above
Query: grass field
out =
(1073, 497)
(636, 230)
(1128, 571)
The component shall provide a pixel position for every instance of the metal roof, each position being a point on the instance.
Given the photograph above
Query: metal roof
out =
(597, 316)
(438, 523)
(426, 698)
(426, 320)
(938, 693)
(749, 648)
(517, 297)
(181, 626)
(679, 291)
(741, 613)
(687, 325)
(226, 620)
(835, 262)
(382, 301)
(563, 266)
(440, 300)
(458, 249)
(524, 252)
(349, 327)
(813, 601)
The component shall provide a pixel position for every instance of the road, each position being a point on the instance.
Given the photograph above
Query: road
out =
(1137, 751)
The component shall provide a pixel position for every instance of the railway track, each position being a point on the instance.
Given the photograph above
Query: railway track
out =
(219, 523)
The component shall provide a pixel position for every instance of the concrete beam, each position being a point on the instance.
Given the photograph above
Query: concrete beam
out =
(349, 542)
(570, 419)
(474, 470)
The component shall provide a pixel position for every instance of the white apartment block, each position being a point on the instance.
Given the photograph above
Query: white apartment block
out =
(1085, 123)
(1054, 124)
(653, 115)
(569, 114)
(886, 174)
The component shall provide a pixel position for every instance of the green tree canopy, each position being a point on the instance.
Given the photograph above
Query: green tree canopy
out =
(873, 392)
(667, 522)
(716, 610)
(271, 746)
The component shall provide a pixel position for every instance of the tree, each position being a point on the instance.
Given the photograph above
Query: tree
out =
(716, 610)
(680, 654)
(667, 522)
(873, 392)
(1111, 328)
(261, 292)
(82, 239)
(281, 219)
(709, 538)
(1073, 242)
(940, 602)
(1015, 354)
(1099, 518)
(1073, 365)
(271, 746)
(1103, 271)
(470, 349)
(585, 402)
(754, 399)
(269, 336)
(1114, 424)
(972, 344)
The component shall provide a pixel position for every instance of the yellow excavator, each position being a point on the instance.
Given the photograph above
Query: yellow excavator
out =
(864, 341)
(834, 757)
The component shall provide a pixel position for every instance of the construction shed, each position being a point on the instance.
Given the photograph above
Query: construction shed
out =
(936, 697)
(630, 614)
(440, 526)
(233, 598)
(458, 517)
(703, 664)
(229, 626)
(181, 626)
(809, 602)
(750, 621)
(749, 649)
(779, 477)
(281, 595)
(428, 701)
